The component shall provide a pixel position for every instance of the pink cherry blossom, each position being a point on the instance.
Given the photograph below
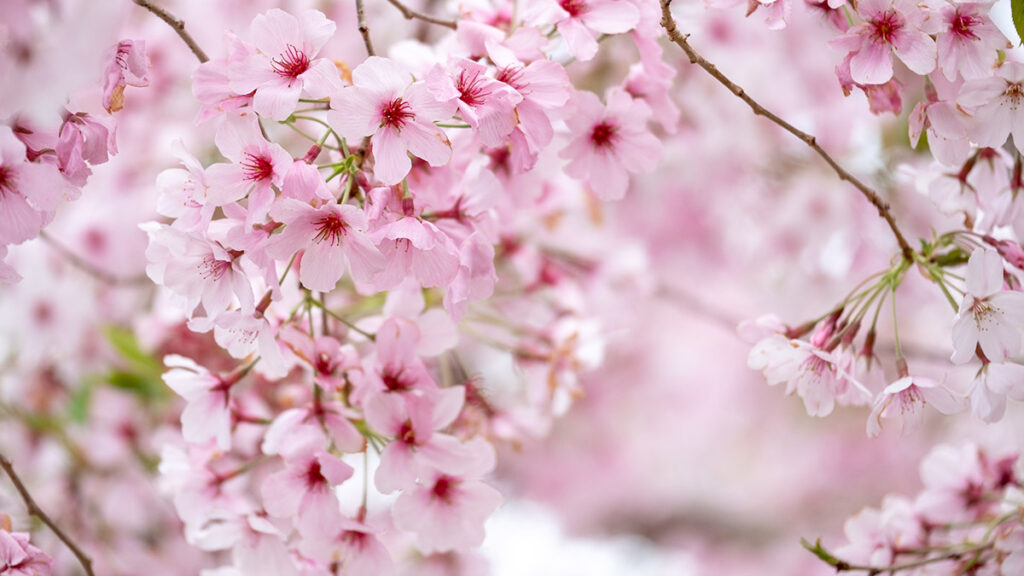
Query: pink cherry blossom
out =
(968, 41)
(905, 398)
(448, 512)
(608, 142)
(284, 65)
(208, 413)
(334, 239)
(992, 384)
(256, 167)
(303, 489)
(997, 103)
(890, 26)
(29, 191)
(989, 317)
(20, 558)
(484, 103)
(415, 248)
(581, 21)
(398, 114)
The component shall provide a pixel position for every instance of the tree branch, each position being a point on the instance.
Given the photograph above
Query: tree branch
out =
(669, 24)
(36, 511)
(410, 14)
(364, 29)
(177, 24)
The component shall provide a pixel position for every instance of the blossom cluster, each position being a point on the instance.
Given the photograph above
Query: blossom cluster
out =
(44, 161)
(966, 519)
(409, 195)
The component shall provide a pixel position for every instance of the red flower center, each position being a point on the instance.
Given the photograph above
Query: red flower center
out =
(604, 135)
(395, 114)
(444, 489)
(6, 180)
(331, 228)
(471, 88)
(257, 168)
(574, 7)
(291, 63)
(513, 76)
(886, 25)
(314, 476)
(962, 25)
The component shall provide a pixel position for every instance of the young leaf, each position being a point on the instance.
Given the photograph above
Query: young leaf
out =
(1017, 10)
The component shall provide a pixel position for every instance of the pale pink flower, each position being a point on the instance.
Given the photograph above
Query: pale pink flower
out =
(484, 103)
(989, 317)
(874, 534)
(355, 549)
(776, 12)
(303, 489)
(29, 191)
(415, 248)
(968, 40)
(414, 421)
(992, 384)
(384, 103)
(326, 421)
(20, 558)
(334, 239)
(241, 333)
(283, 67)
(580, 22)
(184, 192)
(544, 85)
(211, 84)
(476, 277)
(208, 412)
(889, 26)
(256, 166)
(905, 399)
(954, 483)
(447, 512)
(610, 141)
(997, 105)
(129, 66)
(83, 141)
(396, 366)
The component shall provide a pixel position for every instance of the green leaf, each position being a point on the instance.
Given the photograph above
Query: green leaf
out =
(124, 343)
(78, 404)
(1017, 10)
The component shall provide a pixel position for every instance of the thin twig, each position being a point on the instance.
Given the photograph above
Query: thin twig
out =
(36, 511)
(363, 28)
(410, 14)
(669, 23)
(177, 24)
(94, 271)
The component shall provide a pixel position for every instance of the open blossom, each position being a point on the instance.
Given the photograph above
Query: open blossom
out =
(284, 66)
(997, 103)
(208, 413)
(448, 512)
(580, 22)
(415, 248)
(905, 398)
(968, 41)
(334, 239)
(989, 317)
(29, 191)
(992, 384)
(20, 558)
(303, 489)
(256, 166)
(890, 26)
(384, 103)
(609, 142)
(483, 102)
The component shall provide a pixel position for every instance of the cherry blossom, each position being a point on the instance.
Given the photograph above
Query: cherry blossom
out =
(891, 26)
(989, 317)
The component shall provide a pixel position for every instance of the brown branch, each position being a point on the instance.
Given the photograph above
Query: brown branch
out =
(363, 28)
(36, 511)
(669, 24)
(177, 24)
(410, 14)
(97, 273)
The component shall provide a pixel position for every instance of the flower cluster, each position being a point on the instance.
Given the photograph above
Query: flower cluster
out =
(967, 519)
(336, 269)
